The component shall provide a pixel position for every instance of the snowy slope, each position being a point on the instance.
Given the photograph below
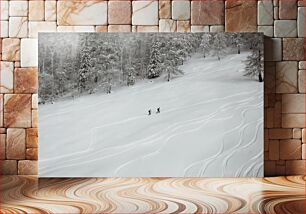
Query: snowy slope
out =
(211, 124)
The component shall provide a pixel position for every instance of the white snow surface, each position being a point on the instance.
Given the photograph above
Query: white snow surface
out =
(210, 125)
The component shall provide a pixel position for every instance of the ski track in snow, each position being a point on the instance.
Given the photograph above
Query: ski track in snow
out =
(211, 124)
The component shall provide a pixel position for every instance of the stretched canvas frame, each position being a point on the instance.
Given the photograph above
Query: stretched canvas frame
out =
(151, 104)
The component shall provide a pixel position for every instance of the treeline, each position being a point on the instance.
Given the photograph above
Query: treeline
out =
(168, 52)
(220, 44)
(71, 64)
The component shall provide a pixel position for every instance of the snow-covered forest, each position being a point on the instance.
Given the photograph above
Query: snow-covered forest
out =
(75, 64)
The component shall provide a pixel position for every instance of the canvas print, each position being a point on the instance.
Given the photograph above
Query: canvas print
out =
(151, 104)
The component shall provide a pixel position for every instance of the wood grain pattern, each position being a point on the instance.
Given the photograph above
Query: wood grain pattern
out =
(29, 194)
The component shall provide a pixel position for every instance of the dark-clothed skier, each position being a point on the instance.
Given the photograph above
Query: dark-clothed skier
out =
(158, 110)
(149, 112)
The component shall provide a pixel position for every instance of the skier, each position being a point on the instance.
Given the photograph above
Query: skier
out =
(158, 110)
(149, 112)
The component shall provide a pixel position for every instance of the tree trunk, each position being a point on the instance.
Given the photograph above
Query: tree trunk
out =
(52, 65)
(260, 77)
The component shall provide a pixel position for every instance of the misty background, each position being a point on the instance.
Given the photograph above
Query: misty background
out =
(74, 64)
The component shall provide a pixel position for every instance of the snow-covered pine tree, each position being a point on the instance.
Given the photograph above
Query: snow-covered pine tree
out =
(138, 58)
(183, 47)
(257, 58)
(171, 66)
(176, 52)
(254, 65)
(251, 41)
(193, 40)
(110, 78)
(219, 46)
(154, 68)
(45, 87)
(85, 65)
(256, 43)
(84, 71)
(205, 44)
(109, 85)
(107, 63)
(236, 41)
(61, 77)
(130, 78)
(172, 71)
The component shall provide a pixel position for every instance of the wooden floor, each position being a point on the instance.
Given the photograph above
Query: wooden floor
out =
(138, 195)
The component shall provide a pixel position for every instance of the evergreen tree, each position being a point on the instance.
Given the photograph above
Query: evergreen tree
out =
(205, 44)
(45, 89)
(79, 63)
(173, 71)
(236, 41)
(86, 65)
(171, 65)
(219, 45)
(254, 66)
(254, 63)
(154, 68)
(130, 79)
(61, 77)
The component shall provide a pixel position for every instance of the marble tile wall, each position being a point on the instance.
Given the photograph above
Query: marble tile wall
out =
(282, 20)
